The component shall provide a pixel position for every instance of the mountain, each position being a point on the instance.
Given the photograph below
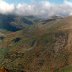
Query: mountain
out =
(44, 46)
(14, 23)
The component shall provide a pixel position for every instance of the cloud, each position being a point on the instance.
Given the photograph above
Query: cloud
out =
(5, 7)
(45, 9)
(42, 9)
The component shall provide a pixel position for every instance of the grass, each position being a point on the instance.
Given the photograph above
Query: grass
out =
(18, 53)
(67, 69)
(37, 50)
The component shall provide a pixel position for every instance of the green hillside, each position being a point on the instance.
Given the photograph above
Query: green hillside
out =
(45, 46)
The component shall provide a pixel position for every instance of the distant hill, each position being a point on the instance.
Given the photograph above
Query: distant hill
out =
(14, 23)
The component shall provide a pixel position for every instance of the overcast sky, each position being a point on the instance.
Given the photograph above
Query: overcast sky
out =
(43, 8)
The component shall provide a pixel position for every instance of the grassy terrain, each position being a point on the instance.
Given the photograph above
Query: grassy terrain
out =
(38, 48)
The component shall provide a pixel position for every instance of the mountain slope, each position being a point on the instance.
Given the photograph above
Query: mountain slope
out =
(43, 47)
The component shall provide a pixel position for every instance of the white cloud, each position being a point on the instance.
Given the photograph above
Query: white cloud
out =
(5, 7)
(43, 8)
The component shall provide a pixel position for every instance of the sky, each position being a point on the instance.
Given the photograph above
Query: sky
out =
(29, 1)
(42, 8)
